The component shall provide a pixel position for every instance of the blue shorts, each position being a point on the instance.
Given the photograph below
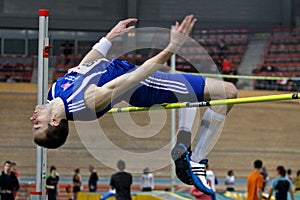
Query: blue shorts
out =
(163, 87)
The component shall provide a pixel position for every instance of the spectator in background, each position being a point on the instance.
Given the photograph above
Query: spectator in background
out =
(69, 192)
(226, 66)
(255, 182)
(229, 181)
(198, 194)
(212, 179)
(265, 174)
(93, 179)
(67, 51)
(77, 183)
(281, 185)
(297, 182)
(52, 183)
(10, 79)
(222, 49)
(13, 168)
(289, 174)
(9, 183)
(147, 180)
(121, 182)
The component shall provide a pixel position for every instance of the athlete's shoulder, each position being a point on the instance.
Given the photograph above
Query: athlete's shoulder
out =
(84, 66)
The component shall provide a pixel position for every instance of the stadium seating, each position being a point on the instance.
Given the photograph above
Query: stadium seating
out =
(16, 68)
(64, 63)
(282, 54)
(236, 41)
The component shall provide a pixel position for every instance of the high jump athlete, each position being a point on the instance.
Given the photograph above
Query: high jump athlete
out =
(89, 90)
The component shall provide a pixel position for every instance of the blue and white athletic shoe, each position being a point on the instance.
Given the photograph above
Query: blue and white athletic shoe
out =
(199, 176)
(189, 172)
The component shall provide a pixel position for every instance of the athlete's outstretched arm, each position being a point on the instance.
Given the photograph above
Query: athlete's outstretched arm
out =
(103, 95)
(105, 43)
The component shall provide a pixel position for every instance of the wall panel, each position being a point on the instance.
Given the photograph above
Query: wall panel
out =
(102, 14)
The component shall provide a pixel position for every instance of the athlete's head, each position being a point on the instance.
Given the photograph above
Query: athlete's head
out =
(48, 131)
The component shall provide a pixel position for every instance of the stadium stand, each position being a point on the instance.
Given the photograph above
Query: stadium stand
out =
(235, 41)
(60, 68)
(16, 68)
(281, 58)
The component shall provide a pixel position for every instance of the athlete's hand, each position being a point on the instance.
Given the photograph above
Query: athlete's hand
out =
(121, 28)
(180, 32)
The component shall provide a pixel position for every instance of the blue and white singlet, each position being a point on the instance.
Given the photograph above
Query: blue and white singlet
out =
(158, 88)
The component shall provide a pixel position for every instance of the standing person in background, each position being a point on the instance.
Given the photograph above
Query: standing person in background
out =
(281, 185)
(198, 194)
(9, 183)
(69, 192)
(212, 179)
(52, 183)
(93, 179)
(297, 182)
(121, 181)
(77, 182)
(265, 174)
(13, 168)
(222, 49)
(289, 175)
(229, 181)
(147, 180)
(67, 48)
(255, 182)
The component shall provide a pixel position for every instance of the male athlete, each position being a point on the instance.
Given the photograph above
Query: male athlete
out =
(88, 91)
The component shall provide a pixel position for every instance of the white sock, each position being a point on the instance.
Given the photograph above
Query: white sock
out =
(186, 117)
(211, 126)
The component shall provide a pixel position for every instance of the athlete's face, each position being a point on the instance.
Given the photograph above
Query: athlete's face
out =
(40, 120)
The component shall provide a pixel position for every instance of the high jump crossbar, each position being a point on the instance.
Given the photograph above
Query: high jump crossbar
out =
(269, 78)
(255, 99)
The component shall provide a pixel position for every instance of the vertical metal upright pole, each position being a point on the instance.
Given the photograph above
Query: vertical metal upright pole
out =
(41, 152)
(173, 129)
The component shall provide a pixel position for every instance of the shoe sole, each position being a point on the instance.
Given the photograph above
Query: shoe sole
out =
(184, 171)
(182, 167)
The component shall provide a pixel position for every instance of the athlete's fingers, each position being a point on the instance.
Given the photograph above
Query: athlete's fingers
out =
(187, 25)
(130, 27)
(129, 20)
(190, 28)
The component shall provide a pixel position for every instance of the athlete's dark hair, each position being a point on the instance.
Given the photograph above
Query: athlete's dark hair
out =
(55, 136)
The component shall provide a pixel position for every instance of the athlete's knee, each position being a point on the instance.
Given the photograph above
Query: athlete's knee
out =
(231, 91)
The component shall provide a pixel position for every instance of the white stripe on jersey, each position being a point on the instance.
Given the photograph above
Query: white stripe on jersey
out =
(74, 110)
(53, 90)
(84, 84)
(79, 107)
(76, 105)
